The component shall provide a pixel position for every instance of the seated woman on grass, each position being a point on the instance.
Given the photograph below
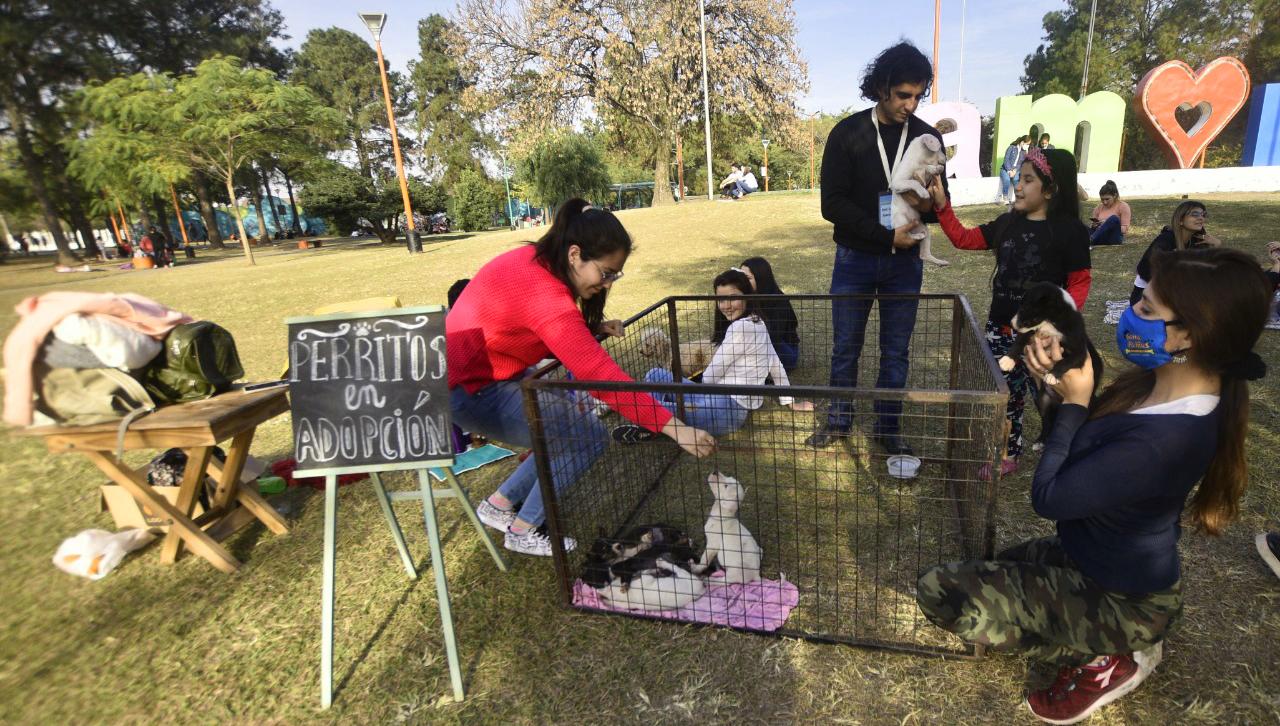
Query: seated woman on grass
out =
(1099, 598)
(536, 301)
(779, 316)
(745, 357)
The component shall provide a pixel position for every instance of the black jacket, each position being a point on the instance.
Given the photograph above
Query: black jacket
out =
(852, 179)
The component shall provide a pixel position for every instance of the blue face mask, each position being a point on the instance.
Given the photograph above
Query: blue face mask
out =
(1142, 341)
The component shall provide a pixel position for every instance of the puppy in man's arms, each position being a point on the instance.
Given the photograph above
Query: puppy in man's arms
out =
(923, 160)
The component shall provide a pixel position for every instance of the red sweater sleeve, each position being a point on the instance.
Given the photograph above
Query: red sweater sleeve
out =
(1078, 284)
(964, 238)
(569, 340)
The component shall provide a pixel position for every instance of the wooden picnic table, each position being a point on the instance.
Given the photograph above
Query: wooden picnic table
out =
(196, 428)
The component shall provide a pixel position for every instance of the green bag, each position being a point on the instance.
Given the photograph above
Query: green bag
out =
(84, 396)
(199, 360)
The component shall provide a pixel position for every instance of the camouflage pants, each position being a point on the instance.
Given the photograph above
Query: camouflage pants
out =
(1033, 598)
(1000, 339)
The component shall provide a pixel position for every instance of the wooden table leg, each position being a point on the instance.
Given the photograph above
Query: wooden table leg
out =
(192, 481)
(250, 499)
(228, 483)
(197, 539)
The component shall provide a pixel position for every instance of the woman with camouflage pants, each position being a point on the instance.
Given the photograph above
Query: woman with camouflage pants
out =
(1099, 598)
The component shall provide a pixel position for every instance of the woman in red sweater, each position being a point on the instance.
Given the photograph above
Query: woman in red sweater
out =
(1040, 240)
(546, 300)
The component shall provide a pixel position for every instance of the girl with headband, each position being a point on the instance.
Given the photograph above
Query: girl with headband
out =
(1099, 597)
(1041, 239)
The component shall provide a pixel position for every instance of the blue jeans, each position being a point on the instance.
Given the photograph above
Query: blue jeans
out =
(1007, 181)
(866, 273)
(744, 190)
(714, 413)
(575, 438)
(1107, 233)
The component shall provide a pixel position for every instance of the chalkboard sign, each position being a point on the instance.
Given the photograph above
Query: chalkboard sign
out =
(369, 391)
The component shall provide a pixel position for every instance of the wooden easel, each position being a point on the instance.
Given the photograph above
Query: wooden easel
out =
(428, 494)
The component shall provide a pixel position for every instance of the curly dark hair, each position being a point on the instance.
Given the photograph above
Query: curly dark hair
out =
(901, 63)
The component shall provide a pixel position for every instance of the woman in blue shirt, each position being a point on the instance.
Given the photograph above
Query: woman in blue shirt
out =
(1099, 598)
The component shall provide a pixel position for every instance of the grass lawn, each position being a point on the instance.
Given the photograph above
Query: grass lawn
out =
(188, 644)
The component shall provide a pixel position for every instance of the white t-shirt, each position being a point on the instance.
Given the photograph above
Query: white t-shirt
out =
(1201, 404)
(749, 181)
(746, 357)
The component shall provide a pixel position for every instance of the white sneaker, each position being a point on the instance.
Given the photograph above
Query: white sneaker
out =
(535, 542)
(495, 517)
(1148, 658)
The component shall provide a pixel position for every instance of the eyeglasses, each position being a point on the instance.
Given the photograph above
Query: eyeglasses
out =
(607, 277)
(1198, 214)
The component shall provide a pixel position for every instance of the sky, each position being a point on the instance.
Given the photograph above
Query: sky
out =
(836, 38)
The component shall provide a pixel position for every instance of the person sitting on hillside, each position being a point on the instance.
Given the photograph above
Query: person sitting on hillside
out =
(747, 184)
(1185, 231)
(1110, 220)
(729, 185)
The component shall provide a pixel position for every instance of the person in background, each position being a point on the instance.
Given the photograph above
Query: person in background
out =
(540, 300)
(779, 317)
(871, 255)
(748, 183)
(1040, 240)
(1013, 158)
(1185, 231)
(1044, 142)
(1100, 598)
(744, 357)
(729, 185)
(1110, 219)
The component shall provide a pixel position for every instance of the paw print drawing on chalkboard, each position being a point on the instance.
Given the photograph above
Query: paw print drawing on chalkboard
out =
(362, 328)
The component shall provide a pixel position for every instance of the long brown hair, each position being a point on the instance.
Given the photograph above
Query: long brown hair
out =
(1222, 299)
(1180, 234)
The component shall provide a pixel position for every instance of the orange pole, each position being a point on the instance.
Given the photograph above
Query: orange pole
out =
(395, 147)
(182, 225)
(114, 226)
(124, 220)
(937, 37)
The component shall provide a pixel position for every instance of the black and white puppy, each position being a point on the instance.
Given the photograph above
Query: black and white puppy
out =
(650, 567)
(1048, 312)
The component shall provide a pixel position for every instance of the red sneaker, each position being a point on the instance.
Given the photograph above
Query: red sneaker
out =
(1079, 691)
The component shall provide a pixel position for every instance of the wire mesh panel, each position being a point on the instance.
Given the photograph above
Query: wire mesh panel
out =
(827, 536)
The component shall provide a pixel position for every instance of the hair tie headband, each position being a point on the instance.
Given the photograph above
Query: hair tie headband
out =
(1250, 368)
(1040, 162)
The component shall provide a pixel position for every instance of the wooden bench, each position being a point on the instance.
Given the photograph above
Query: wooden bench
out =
(195, 428)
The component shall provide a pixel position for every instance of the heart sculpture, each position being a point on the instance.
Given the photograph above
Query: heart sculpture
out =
(1218, 92)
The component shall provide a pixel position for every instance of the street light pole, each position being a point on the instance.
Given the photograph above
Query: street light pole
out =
(1088, 47)
(375, 22)
(507, 183)
(764, 168)
(706, 102)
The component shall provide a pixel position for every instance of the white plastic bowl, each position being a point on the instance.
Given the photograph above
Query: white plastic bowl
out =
(902, 466)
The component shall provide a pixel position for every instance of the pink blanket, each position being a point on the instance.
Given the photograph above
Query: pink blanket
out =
(760, 605)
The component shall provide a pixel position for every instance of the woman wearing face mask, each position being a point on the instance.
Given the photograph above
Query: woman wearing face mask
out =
(1099, 597)
(539, 300)
(1040, 240)
(1185, 231)
(745, 357)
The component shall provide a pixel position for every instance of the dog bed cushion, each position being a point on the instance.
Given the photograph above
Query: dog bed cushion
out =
(761, 605)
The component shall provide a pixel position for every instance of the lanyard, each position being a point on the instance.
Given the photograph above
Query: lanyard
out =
(884, 158)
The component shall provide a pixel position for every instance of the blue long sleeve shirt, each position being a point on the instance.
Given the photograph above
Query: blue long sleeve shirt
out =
(1116, 487)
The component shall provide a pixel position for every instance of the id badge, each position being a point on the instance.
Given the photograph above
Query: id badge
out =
(886, 210)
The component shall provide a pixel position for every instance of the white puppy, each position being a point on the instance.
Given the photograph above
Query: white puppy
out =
(923, 160)
(670, 588)
(727, 540)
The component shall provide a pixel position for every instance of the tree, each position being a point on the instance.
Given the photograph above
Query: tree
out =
(449, 129)
(1130, 38)
(473, 201)
(638, 60)
(341, 68)
(563, 166)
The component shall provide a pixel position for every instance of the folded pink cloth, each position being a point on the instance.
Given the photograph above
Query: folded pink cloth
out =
(39, 316)
(760, 605)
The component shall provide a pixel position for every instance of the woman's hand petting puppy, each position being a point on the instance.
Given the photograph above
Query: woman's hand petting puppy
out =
(1075, 386)
(801, 405)
(695, 441)
(937, 193)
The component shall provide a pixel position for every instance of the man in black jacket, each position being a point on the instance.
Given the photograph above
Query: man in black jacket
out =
(871, 256)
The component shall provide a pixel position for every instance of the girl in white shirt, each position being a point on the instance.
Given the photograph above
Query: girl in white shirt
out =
(745, 357)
